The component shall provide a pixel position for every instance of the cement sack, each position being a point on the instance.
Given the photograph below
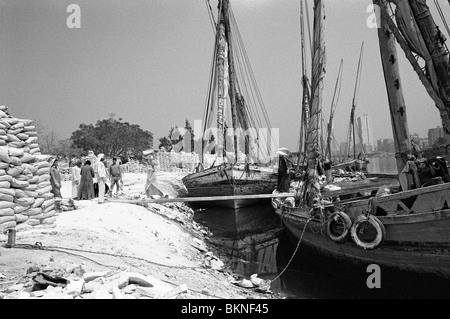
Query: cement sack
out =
(15, 161)
(33, 222)
(5, 184)
(50, 208)
(44, 190)
(7, 198)
(2, 142)
(15, 151)
(15, 171)
(4, 156)
(8, 191)
(12, 138)
(43, 184)
(18, 125)
(33, 145)
(28, 128)
(6, 212)
(6, 204)
(20, 208)
(3, 133)
(32, 133)
(6, 178)
(25, 121)
(48, 203)
(49, 212)
(29, 169)
(43, 178)
(4, 219)
(20, 193)
(24, 177)
(14, 132)
(27, 158)
(21, 218)
(24, 201)
(32, 140)
(33, 212)
(7, 225)
(19, 184)
(4, 124)
(23, 137)
(19, 144)
(31, 194)
(42, 164)
(3, 114)
(4, 165)
(38, 202)
(43, 170)
(33, 182)
(35, 151)
(48, 221)
(47, 195)
(11, 120)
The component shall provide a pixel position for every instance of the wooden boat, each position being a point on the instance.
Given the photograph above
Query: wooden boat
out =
(405, 228)
(240, 171)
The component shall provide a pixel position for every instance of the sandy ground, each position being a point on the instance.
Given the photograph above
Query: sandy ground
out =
(160, 241)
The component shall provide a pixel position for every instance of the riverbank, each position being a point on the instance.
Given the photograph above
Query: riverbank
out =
(122, 251)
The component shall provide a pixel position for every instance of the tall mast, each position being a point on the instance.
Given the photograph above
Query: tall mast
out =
(333, 109)
(318, 68)
(422, 36)
(221, 66)
(305, 91)
(232, 88)
(394, 88)
(352, 113)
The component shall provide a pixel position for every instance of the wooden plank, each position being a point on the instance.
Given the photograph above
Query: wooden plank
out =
(198, 199)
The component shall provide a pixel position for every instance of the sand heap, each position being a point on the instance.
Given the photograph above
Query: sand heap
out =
(25, 190)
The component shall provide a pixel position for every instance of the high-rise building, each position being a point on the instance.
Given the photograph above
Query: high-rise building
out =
(434, 134)
(365, 132)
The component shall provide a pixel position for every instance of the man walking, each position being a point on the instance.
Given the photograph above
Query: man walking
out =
(115, 176)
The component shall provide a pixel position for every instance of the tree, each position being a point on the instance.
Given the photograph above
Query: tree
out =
(113, 138)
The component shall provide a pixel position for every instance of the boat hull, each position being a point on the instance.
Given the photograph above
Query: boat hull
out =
(230, 181)
(416, 227)
(422, 260)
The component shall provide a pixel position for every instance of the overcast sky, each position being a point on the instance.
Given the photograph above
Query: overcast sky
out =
(148, 62)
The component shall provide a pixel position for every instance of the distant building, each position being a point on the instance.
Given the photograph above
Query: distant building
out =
(434, 134)
(366, 133)
(386, 145)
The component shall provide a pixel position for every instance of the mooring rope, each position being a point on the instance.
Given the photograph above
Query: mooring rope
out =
(295, 251)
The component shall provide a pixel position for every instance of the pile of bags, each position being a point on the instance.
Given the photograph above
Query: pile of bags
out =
(25, 190)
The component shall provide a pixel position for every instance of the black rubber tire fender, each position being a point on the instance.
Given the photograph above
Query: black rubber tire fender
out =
(347, 222)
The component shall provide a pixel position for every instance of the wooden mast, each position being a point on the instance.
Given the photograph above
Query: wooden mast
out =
(232, 88)
(221, 73)
(333, 109)
(394, 89)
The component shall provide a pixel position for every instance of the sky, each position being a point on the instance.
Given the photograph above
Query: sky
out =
(148, 61)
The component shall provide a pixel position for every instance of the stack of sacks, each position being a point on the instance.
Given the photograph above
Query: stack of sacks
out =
(25, 190)
(64, 204)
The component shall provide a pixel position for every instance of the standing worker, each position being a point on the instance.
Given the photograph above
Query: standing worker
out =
(115, 176)
(55, 178)
(100, 175)
(76, 177)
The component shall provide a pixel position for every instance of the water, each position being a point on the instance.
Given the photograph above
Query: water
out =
(382, 164)
(257, 243)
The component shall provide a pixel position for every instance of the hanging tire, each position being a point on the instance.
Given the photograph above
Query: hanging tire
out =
(338, 226)
(357, 234)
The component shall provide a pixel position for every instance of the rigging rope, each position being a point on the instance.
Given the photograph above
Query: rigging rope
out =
(211, 15)
(439, 9)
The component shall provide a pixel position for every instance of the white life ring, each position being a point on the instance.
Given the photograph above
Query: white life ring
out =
(375, 223)
(345, 223)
